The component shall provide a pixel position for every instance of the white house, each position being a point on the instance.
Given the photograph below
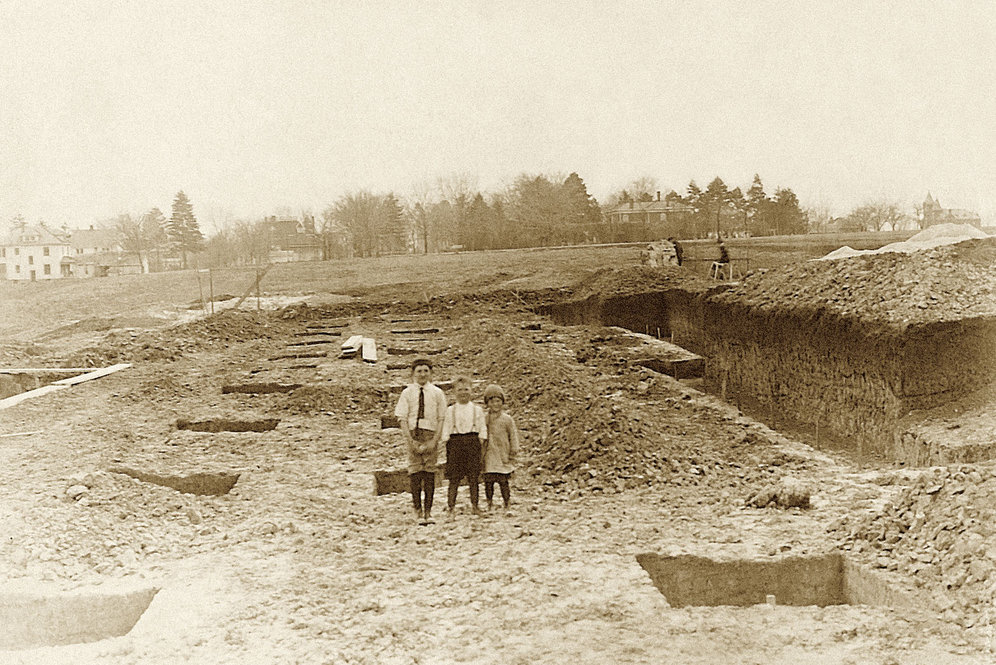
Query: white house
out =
(35, 252)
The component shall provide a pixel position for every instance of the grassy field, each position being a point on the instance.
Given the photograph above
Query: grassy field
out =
(30, 309)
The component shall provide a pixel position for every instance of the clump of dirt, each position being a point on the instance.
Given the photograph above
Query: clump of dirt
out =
(309, 400)
(942, 284)
(941, 531)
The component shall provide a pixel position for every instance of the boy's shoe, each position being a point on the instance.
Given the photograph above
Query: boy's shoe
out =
(476, 511)
(427, 518)
(490, 506)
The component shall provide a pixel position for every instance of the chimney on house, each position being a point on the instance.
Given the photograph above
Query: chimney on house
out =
(631, 204)
(658, 195)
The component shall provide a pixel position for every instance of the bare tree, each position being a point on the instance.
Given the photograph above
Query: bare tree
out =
(820, 218)
(417, 212)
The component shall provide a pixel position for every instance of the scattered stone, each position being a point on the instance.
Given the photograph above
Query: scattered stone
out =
(76, 491)
(784, 494)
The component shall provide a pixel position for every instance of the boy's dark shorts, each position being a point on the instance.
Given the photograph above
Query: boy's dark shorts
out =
(463, 457)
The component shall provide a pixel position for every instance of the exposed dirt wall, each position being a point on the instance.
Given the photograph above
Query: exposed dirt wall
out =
(855, 381)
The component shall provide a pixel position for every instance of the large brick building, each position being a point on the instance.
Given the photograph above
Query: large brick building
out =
(933, 214)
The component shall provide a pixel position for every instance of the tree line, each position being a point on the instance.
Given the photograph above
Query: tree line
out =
(454, 214)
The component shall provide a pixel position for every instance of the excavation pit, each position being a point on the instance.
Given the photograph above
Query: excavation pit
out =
(15, 383)
(202, 484)
(31, 617)
(226, 425)
(830, 579)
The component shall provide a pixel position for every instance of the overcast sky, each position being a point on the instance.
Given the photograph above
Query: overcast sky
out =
(111, 107)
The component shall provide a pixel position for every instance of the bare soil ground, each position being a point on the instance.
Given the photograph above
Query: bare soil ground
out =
(300, 562)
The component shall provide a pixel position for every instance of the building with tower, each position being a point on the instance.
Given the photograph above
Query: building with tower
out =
(933, 214)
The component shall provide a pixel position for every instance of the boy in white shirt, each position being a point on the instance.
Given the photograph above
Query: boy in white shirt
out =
(464, 431)
(420, 411)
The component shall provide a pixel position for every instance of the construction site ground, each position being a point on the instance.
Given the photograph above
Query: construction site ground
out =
(301, 563)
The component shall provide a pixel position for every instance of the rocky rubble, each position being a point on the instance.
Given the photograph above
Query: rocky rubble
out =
(941, 531)
(946, 283)
(168, 344)
(587, 430)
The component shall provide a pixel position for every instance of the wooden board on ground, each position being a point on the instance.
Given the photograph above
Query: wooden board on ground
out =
(288, 356)
(397, 351)
(259, 388)
(351, 346)
(327, 324)
(389, 422)
(442, 385)
(396, 481)
(369, 350)
(419, 331)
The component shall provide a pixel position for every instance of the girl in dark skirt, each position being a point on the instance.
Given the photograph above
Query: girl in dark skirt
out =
(464, 431)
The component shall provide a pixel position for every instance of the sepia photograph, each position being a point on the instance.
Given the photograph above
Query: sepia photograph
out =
(498, 332)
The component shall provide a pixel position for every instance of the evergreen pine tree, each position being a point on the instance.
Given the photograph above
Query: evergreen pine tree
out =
(182, 228)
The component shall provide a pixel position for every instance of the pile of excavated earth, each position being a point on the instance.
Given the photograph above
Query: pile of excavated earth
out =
(945, 283)
(940, 530)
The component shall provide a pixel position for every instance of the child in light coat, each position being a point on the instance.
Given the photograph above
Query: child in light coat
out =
(501, 448)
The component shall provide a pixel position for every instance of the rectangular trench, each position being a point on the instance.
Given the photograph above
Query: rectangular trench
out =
(829, 579)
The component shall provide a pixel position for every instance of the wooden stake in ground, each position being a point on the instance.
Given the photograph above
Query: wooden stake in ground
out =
(255, 284)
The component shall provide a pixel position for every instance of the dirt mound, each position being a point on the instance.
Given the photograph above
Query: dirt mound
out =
(333, 399)
(941, 531)
(942, 284)
(592, 430)
(219, 330)
(638, 279)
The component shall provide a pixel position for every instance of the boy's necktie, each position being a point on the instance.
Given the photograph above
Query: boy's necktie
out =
(421, 405)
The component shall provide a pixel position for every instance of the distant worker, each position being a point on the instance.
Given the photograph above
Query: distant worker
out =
(721, 267)
(678, 252)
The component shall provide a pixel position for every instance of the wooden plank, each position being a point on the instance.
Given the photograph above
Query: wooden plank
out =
(37, 431)
(20, 397)
(397, 351)
(419, 331)
(332, 324)
(254, 284)
(90, 376)
(288, 356)
(259, 388)
(369, 352)
(353, 342)
(395, 481)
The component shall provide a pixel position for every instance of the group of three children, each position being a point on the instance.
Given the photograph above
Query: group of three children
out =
(476, 440)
